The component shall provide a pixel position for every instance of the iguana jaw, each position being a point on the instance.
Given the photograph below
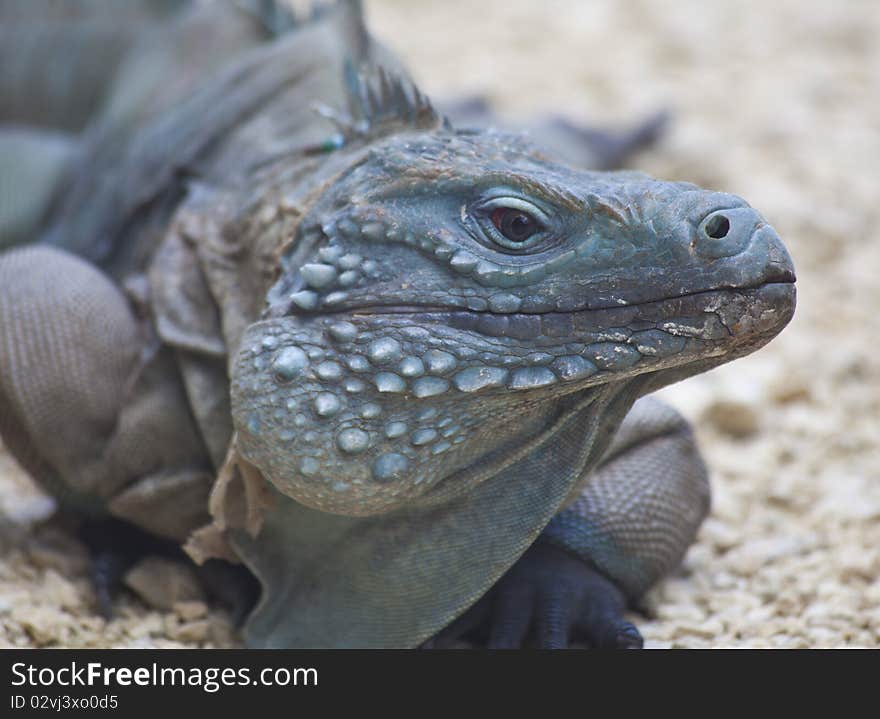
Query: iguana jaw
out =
(549, 327)
(561, 352)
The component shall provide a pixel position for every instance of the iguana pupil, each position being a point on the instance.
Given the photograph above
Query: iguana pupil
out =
(515, 225)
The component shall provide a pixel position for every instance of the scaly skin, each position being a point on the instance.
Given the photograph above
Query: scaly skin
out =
(410, 360)
(407, 359)
(624, 281)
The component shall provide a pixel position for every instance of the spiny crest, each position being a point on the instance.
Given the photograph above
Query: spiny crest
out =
(380, 98)
(380, 103)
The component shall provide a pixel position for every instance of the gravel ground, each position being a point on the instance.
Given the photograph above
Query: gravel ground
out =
(778, 102)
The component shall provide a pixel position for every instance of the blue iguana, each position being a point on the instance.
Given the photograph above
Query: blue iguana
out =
(271, 305)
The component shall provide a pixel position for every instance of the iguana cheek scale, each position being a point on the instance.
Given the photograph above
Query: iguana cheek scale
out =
(406, 352)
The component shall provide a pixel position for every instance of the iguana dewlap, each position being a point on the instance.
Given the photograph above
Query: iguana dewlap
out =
(411, 353)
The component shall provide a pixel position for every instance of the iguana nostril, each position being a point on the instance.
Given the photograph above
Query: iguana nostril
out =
(726, 232)
(717, 227)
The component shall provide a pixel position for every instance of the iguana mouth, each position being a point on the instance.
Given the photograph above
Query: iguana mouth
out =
(562, 325)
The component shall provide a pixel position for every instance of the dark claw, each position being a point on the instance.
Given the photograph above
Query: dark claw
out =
(115, 547)
(601, 623)
(107, 571)
(628, 637)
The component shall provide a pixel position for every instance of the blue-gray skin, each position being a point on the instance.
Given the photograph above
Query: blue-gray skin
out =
(423, 363)
(433, 341)
(410, 292)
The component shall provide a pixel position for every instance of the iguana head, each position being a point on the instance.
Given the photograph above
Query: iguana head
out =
(449, 294)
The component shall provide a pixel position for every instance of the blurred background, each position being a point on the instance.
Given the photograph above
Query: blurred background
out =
(777, 102)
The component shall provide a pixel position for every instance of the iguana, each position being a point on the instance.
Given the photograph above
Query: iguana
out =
(390, 366)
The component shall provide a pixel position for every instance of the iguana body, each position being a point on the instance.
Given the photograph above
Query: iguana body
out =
(407, 359)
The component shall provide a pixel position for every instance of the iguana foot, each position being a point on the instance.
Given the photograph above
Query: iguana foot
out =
(115, 547)
(549, 599)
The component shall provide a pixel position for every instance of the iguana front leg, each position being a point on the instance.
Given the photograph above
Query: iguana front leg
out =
(94, 408)
(630, 523)
(91, 411)
(68, 345)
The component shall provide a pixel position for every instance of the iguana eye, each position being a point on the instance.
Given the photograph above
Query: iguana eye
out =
(512, 223)
(516, 225)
